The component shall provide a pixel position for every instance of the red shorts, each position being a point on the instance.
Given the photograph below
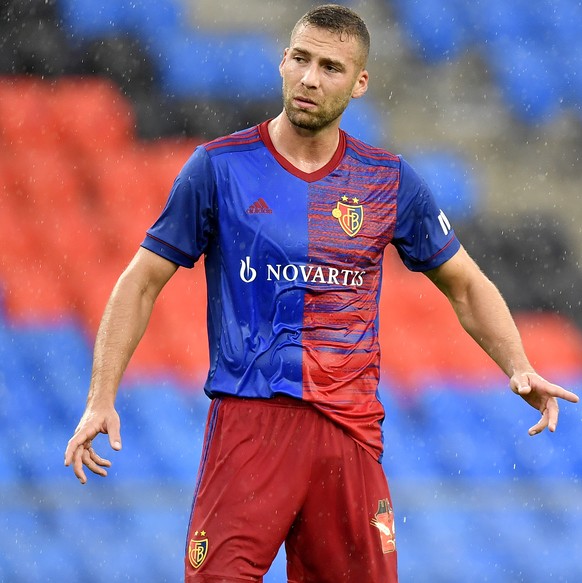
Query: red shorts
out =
(275, 471)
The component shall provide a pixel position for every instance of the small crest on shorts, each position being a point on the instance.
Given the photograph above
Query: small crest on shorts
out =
(384, 521)
(198, 549)
(349, 216)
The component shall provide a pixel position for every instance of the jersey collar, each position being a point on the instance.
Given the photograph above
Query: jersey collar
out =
(307, 176)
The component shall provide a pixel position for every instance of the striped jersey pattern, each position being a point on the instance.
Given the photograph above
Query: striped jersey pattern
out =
(294, 266)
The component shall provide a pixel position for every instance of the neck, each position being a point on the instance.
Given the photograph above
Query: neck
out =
(305, 149)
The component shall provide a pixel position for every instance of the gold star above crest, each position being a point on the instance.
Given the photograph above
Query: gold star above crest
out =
(356, 200)
(344, 198)
(202, 533)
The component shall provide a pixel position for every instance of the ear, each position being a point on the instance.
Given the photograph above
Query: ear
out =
(361, 84)
(283, 60)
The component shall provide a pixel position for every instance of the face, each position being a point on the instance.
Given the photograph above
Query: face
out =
(321, 72)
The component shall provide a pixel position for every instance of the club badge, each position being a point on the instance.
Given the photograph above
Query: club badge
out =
(198, 549)
(349, 216)
(384, 522)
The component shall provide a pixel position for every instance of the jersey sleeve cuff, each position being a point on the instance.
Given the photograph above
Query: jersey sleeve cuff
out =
(168, 251)
(437, 259)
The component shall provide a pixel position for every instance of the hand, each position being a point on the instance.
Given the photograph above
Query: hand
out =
(79, 450)
(541, 395)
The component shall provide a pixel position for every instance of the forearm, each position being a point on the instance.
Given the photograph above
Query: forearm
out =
(124, 322)
(122, 326)
(483, 313)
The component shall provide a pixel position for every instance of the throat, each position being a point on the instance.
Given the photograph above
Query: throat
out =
(305, 150)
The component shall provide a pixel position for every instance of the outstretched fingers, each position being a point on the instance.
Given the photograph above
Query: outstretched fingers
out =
(549, 418)
(80, 453)
(543, 396)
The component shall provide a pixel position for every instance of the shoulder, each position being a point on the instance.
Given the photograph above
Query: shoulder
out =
(371, 155)
(239, 141)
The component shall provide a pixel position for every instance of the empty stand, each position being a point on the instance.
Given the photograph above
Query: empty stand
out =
(476, 498)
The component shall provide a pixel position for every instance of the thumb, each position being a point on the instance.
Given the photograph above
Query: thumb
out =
(522, 385)
(114, 432)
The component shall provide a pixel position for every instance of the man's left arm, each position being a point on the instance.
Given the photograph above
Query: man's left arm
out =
(483, 313)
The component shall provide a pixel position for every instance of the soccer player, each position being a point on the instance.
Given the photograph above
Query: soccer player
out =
(293, 217)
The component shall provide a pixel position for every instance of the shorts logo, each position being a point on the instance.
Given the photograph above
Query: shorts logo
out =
(198, 549)
(349, 216)
(384, 522)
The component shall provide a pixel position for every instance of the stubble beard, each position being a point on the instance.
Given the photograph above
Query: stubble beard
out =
(314, 121)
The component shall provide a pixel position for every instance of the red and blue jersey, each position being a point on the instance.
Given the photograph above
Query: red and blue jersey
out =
(293, 265)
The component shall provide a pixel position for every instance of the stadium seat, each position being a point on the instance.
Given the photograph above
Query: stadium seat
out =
(553, 343)
(22, 537)
(169, 434)
(434, 27)
(25, 118)
(527, 82)
(93, 116)
(207, 65)
(363, 121)
(452, 182)
(85, 20)
(148, 18)
(161, 532)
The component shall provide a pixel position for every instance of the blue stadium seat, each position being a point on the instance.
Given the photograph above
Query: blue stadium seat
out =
(162, 533)
(87, 20)
(188, 65)
(363, 121)
(408, 448)
(58, 358)
(22, 537)
(250, 65)
(167, 429)
(206, 65)
(148, 18)
(451, 180)
(527, 81)
(435, 28)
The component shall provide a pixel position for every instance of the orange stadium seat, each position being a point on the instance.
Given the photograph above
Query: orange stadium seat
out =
(183, 306)
(163, 159)
(93, 117)
(128, 199)
(25, 115)
(422, 341)
(553, 343)
(175, 339)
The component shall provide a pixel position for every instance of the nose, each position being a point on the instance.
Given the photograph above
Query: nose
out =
(310, 77)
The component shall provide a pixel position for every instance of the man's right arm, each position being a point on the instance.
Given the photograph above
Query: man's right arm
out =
(123, 324)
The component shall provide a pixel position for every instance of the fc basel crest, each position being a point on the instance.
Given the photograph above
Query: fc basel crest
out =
(197, 550)
(384, 522)
(349, 216)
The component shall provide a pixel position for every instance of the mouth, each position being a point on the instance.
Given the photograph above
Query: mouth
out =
(304, 102)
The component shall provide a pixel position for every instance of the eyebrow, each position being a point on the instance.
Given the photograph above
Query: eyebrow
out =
(325, 60)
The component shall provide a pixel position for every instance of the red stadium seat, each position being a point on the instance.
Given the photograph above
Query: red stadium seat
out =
(25, 114)
(553, 343)
(93, 117)
(176, 339)
(423, 342)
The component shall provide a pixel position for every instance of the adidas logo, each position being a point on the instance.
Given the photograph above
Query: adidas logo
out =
(259, 207)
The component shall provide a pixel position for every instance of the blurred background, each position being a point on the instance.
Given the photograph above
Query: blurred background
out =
(102, 101)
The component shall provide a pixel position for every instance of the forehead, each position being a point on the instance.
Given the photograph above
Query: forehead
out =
(324, 43)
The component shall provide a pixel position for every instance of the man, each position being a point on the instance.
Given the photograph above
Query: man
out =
(293, 216)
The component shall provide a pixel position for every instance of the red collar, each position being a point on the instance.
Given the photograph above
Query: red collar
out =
(307, 176)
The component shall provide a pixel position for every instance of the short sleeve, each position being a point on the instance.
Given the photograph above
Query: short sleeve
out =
(423, 235)
(185, 226)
